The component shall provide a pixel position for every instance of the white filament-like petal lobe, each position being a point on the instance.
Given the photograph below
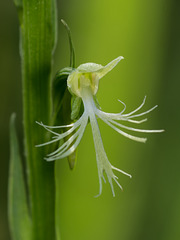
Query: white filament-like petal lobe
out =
(128, 116)
(70, 150)
(59, 136)
(134, 129)
(138, 139)
(138, 108)
(141, 114)
(64, 146)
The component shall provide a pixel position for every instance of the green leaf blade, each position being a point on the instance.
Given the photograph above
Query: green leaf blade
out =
(19, 219)
(19, 6)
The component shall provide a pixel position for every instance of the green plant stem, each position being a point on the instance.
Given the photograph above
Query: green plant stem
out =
(37, 43)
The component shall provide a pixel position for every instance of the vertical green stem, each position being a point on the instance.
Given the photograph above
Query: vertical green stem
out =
(37, 43)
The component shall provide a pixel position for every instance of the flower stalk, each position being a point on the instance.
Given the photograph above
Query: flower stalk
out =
(37, 31)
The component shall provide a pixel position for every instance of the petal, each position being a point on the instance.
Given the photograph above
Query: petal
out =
(98, 68)
(137, 139)
(66, 151)
(134, 129)
(102, 72)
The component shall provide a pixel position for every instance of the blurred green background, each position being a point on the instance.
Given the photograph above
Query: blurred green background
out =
(147, 34)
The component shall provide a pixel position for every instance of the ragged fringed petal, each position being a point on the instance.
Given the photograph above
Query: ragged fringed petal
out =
(69, 146)
(128, 116)
(104, 166)
(112, 118)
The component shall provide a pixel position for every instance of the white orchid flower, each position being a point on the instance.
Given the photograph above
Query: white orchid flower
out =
(83, 82)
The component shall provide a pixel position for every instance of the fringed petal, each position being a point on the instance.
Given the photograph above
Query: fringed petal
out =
(67, 151)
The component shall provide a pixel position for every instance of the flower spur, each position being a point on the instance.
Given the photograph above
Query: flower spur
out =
(83, 83)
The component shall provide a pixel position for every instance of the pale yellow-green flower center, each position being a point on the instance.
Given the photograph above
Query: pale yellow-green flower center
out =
(78, 81)
(87, 75)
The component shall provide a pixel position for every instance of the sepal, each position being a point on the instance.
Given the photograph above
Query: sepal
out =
(71, 46)
(59, 88)
(62, 104)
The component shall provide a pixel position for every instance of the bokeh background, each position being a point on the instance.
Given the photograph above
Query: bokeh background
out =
(147, 34)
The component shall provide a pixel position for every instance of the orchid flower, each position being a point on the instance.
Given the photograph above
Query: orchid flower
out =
(83, 82)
